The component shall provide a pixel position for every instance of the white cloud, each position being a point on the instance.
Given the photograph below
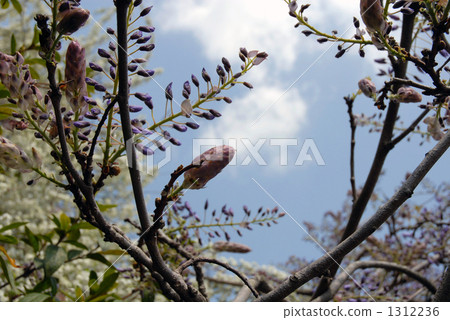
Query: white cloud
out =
(222, 27)
(266, 112)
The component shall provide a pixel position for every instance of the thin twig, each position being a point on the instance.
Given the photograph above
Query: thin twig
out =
(391, 266)
(410, 128)
(349, 101)
(321, 265)
(222, 264)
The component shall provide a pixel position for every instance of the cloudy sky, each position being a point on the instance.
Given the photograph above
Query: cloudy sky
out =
(297, 96)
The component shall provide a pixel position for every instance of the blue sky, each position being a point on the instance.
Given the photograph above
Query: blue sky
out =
(298, 94)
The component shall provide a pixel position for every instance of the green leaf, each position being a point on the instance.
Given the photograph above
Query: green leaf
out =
(83, 225)
(54, 257)
(64, 222)
(35, 297)
(107, 284)
(105, 207)
(32, 240)
(56, 221)
(8, 273)
(76, 244)
(100, 258)
(8, 239)
(16, 4)
(73, 254)
(4, 93)
(14, 225)
(5, 4)
(13, 44)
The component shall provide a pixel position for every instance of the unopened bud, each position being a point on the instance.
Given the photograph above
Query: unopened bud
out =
(211, 164)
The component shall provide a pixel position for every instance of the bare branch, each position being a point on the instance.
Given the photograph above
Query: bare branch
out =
(321, 265)
(391, 266)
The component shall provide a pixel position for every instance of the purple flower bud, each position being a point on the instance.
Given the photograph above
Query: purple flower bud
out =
(12, 156)
(143, 39)
(112, 62)
(112, 72)
(142, 96)
(175, 142)
(215, 113)
(110, 31)
(95, 67)
(148, 47)
(367, 87)
(90, 101)
(185, 94)
(159, 145)
(81, 124)
(179, 127)
(71, 20)
(145, 11)
(146, 73)
(237, 75)
(147, 29)
(149, 103)
(91, 82)
(137, 3)
(169, 94)
(187, 87)
(83, 137)
(226, 64)
(226, 246)
(91, 116)
(103, 53)
(135, 108)
(227, 100)
(220, 71)
(144, 150)
(38, 135)
(195, 81)
(100, 88)
(136, 130)
(138, 60)
(407, 95)
(75, 75)
(192, 125)
(248, 85)
(112, 46)
(136, 35)
(372, 13)
(208, 116)
(132, 67)
(211, 164)
(243, 51)
(205, 75)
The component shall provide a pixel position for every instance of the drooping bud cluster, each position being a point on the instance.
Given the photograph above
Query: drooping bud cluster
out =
(211, 163)
(75, 73)
(367, 87)
(16, 77)
(227, 246)
(372, 14)
(12, 156)
(407, 95)
(434, 127)
(71, 17)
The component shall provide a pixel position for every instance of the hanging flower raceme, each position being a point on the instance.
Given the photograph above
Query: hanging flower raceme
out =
(12, 156)
(211, 164)
(367, 87)
(407, 95)
(71, 17)
(372, 13)
(75, 74)
(16, 77)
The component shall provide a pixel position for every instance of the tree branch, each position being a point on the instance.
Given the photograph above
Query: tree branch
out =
(443, 292)
(321, 265)
(222, 264)
(351, 268)
(383, 149)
